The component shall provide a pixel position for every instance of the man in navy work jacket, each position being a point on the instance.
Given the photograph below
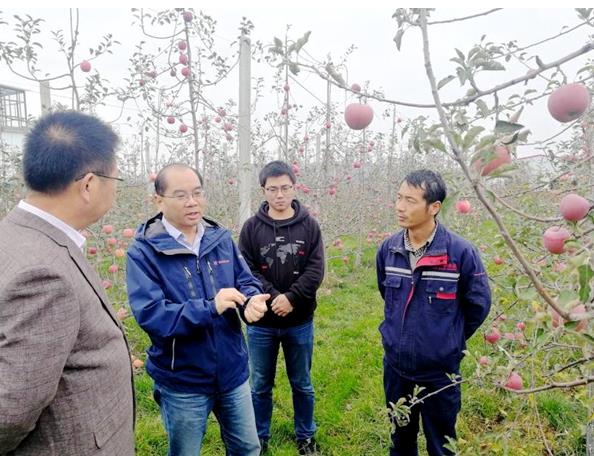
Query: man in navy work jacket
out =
(186, 278)
(436, 295)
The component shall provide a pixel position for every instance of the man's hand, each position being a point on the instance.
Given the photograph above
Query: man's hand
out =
(281, 306)
(227, 298)
(256, 307)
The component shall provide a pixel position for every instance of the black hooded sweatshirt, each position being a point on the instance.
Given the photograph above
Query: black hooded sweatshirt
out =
(287, 256)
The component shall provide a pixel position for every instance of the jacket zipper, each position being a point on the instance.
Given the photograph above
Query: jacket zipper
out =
(188, 275)
(211, 277)
(173, 354)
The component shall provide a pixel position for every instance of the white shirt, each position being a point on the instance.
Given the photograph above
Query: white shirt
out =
(181, 237)
(73, 234)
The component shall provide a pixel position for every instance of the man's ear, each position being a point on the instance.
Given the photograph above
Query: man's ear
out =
(434, 208)
(84, 186)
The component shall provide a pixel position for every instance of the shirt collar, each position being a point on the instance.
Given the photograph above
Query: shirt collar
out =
(181, 237)
(421, 250)
(72, 233)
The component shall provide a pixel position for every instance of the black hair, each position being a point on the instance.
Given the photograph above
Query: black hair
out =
(65, 145)
(161, 179)
(430, 181)
(276, 168)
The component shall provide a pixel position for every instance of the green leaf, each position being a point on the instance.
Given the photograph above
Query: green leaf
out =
(491, 65)
(278, 43)
(460, 54)
(294, 68)
(585, 273)
(436, 143)
(482, 107)
(445, 80)
(462, 75)
(504, 128)
(398, 38)
(471, 136)
(584, 13)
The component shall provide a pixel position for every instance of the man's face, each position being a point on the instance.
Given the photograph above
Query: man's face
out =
(183, 201)
(279, 192)
(106, 192)
(412, 210)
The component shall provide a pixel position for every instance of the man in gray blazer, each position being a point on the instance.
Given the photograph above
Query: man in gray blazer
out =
(66, 383)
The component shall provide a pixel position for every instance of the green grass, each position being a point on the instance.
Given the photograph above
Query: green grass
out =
(347, 376)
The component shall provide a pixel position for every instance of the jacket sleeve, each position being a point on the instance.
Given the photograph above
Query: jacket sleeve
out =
(476, 294)
(244, 280)
(40, 318)
(250, 255)
(380, 269)
(156, 314)
(305, 287)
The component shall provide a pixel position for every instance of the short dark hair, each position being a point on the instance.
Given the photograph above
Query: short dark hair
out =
(161, 179)
(62, 146)
(431, 182)
(276, 168)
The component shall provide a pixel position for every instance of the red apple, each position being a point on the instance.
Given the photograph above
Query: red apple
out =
(554, 239)
(357, 164)
(231, 181)
(106, 284)
(346, 259)
(185, 71)
(574, 207)
(521, 325)
(188, 16)
(85, 66)
(332, 191)
(583, 322)
(111, 241)
(119, 253)
(228, 126)
(138, 363)
(463, 206)
(569, 102)
(92, 250)
(107, 229)
(484, 360)
(183, 59)
(502, 157)
(122, 313)
(128, 233)
(358, 116)
(328, 125)
(493, 336)
(356, 88)
(498, 260)
(295, 167)
(514, 381)
(182, 45)
(113, 268)
(286, 87)
(183, 128)
(170, 120)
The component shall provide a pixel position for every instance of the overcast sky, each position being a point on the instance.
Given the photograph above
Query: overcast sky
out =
(369, 27)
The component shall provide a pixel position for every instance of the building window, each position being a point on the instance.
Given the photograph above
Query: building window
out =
(13, 109)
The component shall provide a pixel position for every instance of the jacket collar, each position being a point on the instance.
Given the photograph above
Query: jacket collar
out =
(437, 248)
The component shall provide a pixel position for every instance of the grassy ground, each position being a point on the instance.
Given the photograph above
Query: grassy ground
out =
(347, 375)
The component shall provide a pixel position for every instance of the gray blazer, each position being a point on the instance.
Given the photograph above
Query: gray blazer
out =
(66, 386)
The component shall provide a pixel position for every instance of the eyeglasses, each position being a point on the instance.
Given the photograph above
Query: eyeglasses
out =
(183, 197)
(274, 190)
(99, 175)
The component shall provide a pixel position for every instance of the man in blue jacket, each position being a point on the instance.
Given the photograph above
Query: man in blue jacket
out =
(436, 295)
(186, 283)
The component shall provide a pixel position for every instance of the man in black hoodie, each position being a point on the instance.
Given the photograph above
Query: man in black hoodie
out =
(283, 247)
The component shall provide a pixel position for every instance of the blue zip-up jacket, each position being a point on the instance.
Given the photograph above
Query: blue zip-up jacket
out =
(432, 310)
(171, 293)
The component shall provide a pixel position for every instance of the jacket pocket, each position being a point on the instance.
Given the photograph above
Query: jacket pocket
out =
(393, 291)
(107, 427)
(441, 296)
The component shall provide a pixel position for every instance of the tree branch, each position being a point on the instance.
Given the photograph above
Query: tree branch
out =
(458, 19)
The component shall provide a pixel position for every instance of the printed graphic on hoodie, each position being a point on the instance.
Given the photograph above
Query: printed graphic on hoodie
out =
(282, 251)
